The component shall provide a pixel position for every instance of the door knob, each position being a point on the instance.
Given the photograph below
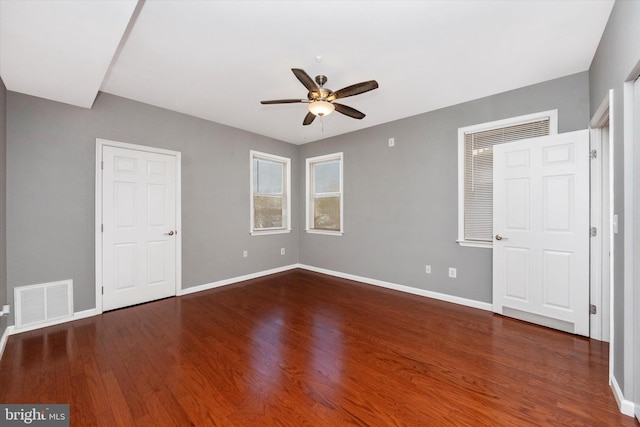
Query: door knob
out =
(171, 233)
(498, 237)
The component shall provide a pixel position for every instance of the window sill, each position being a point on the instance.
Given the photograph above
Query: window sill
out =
(265, 232)
(468, 244)
(329, 233)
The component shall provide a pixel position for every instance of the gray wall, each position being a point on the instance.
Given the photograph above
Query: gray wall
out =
(617, 54)
(3, 185)
(401, 203)
(51, 191)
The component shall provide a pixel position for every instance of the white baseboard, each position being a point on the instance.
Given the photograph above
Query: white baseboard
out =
(403, 288)
(626, 406)
(76, 316)
(85, 313)
(422, 292)
(233, 280)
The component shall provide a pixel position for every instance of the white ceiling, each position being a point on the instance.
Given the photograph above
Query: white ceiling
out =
(217, 59)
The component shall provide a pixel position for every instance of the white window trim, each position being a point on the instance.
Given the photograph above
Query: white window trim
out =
(308, 200)
(553, 129)
(287, 162)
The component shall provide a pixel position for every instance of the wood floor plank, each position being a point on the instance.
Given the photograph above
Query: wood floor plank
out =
(305, 349)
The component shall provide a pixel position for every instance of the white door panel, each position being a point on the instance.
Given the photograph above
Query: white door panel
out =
(541, 223)
(517, 267)
(139, 210)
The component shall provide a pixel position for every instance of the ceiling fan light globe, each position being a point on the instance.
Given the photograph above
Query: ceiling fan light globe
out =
(321, 108)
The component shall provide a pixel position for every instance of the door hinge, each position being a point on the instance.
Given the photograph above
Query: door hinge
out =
(593, 154)
(592, 309)
(103, 290)
(593, 232)
(102, 164)
(102, 228)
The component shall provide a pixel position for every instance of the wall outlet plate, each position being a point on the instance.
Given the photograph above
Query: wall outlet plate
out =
(453, 272)
(427, 269)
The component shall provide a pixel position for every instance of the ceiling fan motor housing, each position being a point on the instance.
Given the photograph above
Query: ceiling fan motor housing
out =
(321, 94)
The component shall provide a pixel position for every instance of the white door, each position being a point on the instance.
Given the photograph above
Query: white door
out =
(139, 226)
(541, 231)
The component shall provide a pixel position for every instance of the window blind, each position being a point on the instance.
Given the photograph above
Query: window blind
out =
(478, 173)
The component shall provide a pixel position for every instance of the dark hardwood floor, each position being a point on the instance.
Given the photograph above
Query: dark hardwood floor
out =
(303, 349)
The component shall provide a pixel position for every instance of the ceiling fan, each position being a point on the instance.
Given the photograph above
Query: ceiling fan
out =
(321, 100)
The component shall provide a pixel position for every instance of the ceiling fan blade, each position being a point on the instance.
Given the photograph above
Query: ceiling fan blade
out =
(348, 111)
(306, 80)
(355, 89)
(283, 101)
(308, 119)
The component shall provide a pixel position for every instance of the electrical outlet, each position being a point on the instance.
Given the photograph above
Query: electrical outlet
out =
(282, 251)
(245, 253)
(453, 272)
(427, 269)
(392, 142)
(6, 309)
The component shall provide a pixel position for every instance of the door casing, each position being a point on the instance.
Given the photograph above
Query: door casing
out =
(602, 217)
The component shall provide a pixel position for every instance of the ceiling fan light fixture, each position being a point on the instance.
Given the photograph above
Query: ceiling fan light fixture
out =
(321, 108)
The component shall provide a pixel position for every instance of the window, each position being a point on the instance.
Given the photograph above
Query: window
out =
(475, 170)
(270, 178)
(324, 194)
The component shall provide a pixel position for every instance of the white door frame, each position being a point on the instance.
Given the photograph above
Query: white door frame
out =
(602, 248)
(632, 241)
(100, 143)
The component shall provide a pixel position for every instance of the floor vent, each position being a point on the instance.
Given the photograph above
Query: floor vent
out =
(43, 303)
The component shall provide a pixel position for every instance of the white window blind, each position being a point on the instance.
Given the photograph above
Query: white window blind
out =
(478, 173)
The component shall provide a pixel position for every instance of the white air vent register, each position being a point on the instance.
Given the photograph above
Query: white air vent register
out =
(43, 303)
